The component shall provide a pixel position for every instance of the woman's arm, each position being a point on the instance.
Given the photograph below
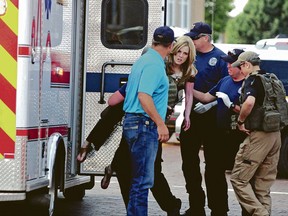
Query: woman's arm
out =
(189, 86)
(115, 98)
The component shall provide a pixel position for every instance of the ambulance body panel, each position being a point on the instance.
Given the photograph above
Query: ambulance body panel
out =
(60, 61)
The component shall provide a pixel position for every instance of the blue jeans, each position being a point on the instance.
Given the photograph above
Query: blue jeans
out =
(141, 135)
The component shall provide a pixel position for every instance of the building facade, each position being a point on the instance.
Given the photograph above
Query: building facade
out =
(183, 13)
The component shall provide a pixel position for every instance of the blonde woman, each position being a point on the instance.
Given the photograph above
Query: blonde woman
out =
(181, 73)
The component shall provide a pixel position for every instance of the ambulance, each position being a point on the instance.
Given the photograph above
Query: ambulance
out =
(59, 62)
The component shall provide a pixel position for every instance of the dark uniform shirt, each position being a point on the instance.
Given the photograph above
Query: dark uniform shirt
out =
(233, 89)
(211, 68)
(254, 87)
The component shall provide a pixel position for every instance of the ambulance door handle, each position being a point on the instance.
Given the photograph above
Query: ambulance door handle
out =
(44, 121)
(43, 150)
(102, 87)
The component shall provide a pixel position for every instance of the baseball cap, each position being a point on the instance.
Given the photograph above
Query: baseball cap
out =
(232, 55)
(163, 35)
(199, 28)
(248, 56)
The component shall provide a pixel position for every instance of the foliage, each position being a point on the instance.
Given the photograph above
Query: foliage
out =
(216, 15)
(259, 19)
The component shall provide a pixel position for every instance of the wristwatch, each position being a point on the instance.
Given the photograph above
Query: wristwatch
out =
(232, 106)
(240, 122)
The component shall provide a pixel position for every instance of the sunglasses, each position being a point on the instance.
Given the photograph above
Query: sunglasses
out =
(198, 36)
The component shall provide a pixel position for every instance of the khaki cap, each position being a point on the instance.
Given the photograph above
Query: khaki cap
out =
(248, 56)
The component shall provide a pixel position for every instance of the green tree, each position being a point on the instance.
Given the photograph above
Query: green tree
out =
(259, 19)
(216, 15)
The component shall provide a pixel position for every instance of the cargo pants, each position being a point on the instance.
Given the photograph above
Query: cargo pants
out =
(255, 171)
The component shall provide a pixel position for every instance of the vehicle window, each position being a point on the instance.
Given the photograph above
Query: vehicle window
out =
(279, 68)
(124, 24)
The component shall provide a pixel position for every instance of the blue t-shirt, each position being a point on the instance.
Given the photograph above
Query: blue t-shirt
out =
(233, 89)
(148, 75)
(211, 68)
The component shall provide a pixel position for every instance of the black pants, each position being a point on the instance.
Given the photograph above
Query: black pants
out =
(232, 140)
(203, 133)
(110, 117)
(161, 190)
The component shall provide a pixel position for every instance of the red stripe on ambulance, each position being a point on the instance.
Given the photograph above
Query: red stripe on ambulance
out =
(8, 40)
(8, 94)
(7, 145)
(24, 51)
(41, 133)
(15, 2)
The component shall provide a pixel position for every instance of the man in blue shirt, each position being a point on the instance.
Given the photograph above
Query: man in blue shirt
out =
(145, 107)
(211, 68)
(228, 137)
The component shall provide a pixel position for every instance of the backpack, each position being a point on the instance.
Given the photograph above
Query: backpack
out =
(274, 100)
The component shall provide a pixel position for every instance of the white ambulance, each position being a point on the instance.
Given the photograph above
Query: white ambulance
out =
(59, 61)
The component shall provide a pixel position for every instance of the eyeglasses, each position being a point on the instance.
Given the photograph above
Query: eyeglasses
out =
(198, 36)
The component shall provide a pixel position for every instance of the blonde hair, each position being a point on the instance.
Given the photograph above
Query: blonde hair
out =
(187, 68)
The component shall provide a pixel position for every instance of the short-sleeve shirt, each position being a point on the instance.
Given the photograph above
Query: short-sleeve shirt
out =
(253, 86)
(122, 90)
(174, 88)
(211, 68)
(148, 75)
(233, 89)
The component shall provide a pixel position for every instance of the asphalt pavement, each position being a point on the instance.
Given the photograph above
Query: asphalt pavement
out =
(99, 202)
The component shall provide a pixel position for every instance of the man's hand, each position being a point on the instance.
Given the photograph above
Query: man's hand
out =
(243, 129)
(202, 108)
(225, 98)
(163, 133)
